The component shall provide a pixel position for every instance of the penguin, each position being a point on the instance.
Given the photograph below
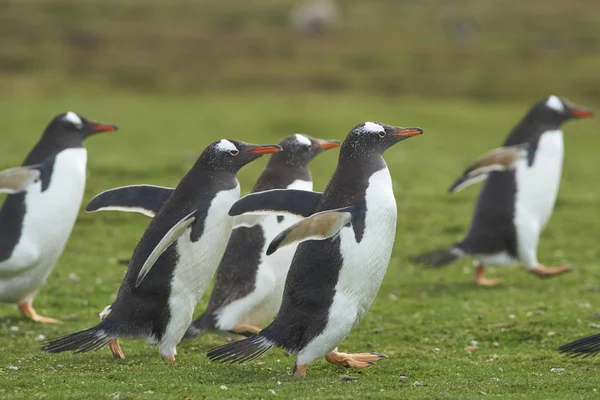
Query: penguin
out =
(36, 223)
(514, 205)
(586, 347)
(175, 258)
(346, 239)
(249, 285)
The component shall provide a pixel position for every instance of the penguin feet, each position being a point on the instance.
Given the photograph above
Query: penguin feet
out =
(246, 330)
(358, 360)
(481, 280)
(545, 272)
(300, 370)
(28, 311)
(115, 349)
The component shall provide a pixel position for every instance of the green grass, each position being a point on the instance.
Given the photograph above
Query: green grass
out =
(468, 48)
(422, 319)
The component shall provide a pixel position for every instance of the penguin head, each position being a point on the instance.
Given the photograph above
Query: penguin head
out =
(375, 138)
(556, 110)
(73, 125)
(300, 149)
(230, 155)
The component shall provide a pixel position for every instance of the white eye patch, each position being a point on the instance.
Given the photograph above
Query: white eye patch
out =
(302, 139)
(73, 118)
(555, 103)
(372, 127)
(226, 145)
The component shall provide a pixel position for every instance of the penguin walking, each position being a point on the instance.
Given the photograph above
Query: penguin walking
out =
(249, 285)
(515, 204)
(36, 223)
(176, 257)
(347, 241)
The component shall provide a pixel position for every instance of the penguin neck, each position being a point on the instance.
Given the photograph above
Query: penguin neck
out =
(202, 178)
(528, 129)
(351, 178)
(50, 144)
(279, 175)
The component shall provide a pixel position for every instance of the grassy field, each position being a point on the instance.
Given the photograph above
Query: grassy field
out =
(423, 319)
(469, 48)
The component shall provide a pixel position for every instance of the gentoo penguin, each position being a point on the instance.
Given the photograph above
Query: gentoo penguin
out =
(588, 346)
(347, 241)
(36, 224)
(515, 205)
(176, 257)
(249, 285)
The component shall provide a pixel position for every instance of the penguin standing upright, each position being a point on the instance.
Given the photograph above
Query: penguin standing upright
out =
(36, 223)
(337, 270)
(515, 205)
(176, 257)
(249, 285)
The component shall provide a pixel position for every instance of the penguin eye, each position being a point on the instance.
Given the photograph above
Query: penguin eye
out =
(381, 134)
(234, 152)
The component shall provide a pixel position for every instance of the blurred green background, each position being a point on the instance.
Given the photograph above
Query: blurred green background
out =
(450, 48)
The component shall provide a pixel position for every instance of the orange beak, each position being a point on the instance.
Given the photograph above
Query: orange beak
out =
(329, 144)
(103, 127)
(408, 132)
(265, 149)
(581, 113)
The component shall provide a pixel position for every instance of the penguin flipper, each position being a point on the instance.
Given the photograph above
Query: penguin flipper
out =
(278, 201)
(467, 180)
(16, 180)
(170, 237)
(319, 226)
(499, 159)
(143, 199)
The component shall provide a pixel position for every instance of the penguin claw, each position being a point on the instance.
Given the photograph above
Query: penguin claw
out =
(379, 355)
(371, 362)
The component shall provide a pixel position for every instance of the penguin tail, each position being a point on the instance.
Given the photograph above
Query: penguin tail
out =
(588, 346)
(198, 327)
(80, 342)
(243, 350)
(439, 257)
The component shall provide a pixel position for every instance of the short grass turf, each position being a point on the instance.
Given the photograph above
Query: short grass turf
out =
(425, 320)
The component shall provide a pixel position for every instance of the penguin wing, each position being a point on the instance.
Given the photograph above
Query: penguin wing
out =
(500, 159)
(278, 201)
(144, 199)
(170, 237)
(16, 180)
(318, 226)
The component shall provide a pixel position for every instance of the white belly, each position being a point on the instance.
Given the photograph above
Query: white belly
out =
(49, 220)
(363, 268)
(197, 264)
(537, 188)
(260, 306)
